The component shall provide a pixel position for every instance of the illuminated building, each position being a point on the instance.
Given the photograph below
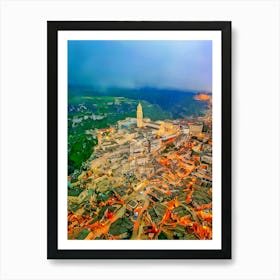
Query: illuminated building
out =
(99, 137)
(155, 144)
(196, 129)
(136, 148)
(139, 115)
(207, 159)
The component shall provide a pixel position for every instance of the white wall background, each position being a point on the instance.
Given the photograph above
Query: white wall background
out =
(255, 139)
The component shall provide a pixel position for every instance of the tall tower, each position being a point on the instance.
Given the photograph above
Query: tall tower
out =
(99, 138)
(139, 115)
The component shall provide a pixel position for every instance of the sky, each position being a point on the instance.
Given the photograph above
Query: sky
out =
(181, 65)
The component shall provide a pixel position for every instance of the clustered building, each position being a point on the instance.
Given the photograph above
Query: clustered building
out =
(149, 180)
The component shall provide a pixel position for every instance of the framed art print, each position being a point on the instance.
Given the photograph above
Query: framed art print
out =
(139, 140)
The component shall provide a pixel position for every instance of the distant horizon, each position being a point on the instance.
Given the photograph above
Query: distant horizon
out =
(184, 65)
(138, 88)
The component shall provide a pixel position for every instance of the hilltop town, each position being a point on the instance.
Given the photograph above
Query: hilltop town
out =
(146, 180)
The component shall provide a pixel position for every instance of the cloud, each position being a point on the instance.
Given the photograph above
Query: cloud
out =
(160, 64)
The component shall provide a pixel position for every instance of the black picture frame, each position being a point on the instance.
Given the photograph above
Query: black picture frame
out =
(52, 102)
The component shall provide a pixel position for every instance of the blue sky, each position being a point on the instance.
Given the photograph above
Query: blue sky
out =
(179, 65)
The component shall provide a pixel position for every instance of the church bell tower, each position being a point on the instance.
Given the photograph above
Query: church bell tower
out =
(139, 115)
